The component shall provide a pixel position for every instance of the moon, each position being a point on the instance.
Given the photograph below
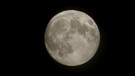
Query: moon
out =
(72, 38)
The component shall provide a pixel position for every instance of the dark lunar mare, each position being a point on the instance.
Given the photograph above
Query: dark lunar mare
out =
(82, 29)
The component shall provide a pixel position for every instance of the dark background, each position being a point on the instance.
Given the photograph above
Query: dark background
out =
(111, 17)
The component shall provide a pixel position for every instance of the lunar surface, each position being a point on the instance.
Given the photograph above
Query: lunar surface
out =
(72, 38)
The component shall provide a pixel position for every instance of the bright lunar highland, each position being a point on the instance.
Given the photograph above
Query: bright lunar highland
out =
(72, 38)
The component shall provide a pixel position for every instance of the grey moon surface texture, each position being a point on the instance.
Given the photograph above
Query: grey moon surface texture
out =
(72, 37)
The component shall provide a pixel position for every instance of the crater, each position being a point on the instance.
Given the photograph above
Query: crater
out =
(60, 54)
(90, 22)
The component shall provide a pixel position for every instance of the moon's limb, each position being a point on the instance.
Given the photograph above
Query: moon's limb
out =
(72, 37)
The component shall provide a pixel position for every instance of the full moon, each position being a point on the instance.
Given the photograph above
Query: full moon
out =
(72, 37)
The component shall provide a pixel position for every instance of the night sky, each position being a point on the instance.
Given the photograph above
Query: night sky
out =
(111, 18)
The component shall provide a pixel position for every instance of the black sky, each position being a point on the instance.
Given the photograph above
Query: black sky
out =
(111, 18)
